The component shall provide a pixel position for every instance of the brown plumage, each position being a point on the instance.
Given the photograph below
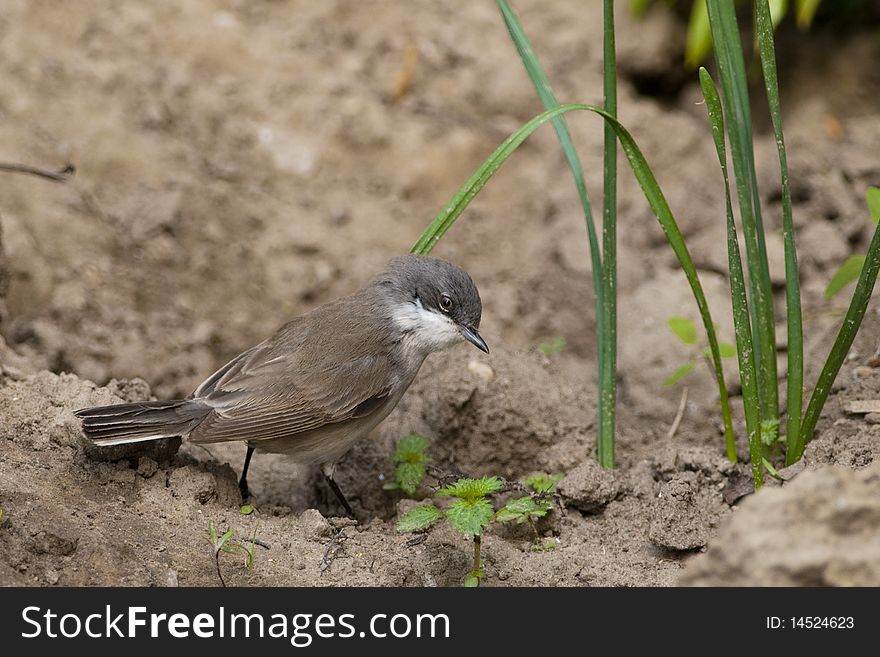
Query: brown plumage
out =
(324, 379)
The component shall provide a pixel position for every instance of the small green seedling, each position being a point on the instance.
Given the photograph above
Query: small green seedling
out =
(552, 347)
(851, 268)
(470, 514)
(542, 483)
(686, 331)
(222, 543)
(531, 508)
(411, 460)
(247, 509)
(770, 433)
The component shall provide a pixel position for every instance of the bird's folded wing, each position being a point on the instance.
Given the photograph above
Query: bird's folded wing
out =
(261, 395)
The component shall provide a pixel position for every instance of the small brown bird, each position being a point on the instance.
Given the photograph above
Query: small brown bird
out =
(324, 380)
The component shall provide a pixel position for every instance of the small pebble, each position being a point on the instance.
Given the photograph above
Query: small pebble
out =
(872, 418)
(481, 369)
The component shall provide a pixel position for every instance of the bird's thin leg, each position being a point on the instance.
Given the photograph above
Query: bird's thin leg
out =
(242, 483)
(328, 469)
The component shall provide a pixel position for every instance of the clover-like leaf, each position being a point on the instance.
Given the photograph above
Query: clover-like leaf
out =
(418, 518)
(679, 374)
(470, 517)
(553, 347)
(409, 476)
(541, 482)
(684, 329)
(523, 508)
(847, 273)
(725, 350)
(472, 489)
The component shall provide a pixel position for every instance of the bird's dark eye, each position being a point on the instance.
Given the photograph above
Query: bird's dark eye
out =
(445, 302)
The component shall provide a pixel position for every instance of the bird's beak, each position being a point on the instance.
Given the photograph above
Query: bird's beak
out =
(474, 338)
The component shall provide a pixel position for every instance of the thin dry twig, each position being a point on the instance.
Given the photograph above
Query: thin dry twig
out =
(679, 414)
(334, 547)
(63, 174)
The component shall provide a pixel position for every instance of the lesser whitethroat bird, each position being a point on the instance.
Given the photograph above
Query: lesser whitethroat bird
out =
(323, 380)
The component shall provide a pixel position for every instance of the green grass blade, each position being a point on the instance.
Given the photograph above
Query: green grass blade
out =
(545, 92)
(466, 193)
(548, 98)
(778, 9)
(608, 373)
(741, 324)
(651, 189)
(794, 321)
(699, 36)
(660, 207)
(840, 348)
(732, 73)
(805, 10)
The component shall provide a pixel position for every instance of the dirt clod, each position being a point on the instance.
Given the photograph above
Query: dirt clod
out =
(819, 530)
(678, 521)
(589, 487)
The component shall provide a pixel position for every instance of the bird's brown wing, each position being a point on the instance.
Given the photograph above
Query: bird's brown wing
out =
(298, 380)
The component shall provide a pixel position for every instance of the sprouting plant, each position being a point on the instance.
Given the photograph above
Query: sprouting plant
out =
(223, 543)
(686, 332)
(851, 268)
(411, 459)
(533, 507)
(541, 482)
(552, 347)
(470, 514)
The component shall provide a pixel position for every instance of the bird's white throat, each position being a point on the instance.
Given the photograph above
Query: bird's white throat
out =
(424, 330)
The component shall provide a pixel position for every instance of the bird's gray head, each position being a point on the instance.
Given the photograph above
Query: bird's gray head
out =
(433, 302)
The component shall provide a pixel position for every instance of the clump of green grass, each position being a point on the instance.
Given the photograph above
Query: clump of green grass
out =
(753, 310)
(751, 297)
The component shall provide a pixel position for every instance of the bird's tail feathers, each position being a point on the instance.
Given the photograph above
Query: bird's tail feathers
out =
(120, 424)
